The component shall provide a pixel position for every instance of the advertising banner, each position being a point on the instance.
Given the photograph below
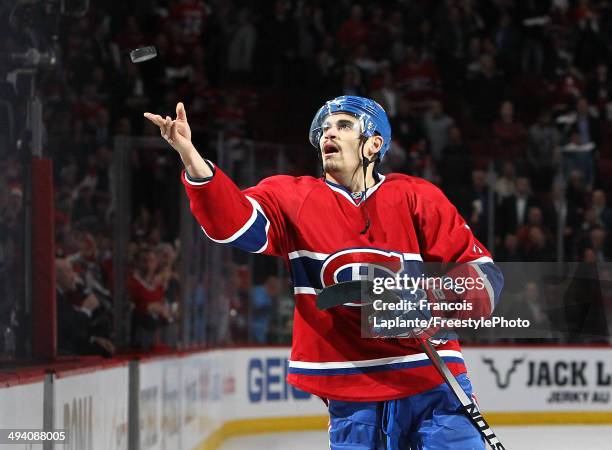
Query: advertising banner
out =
(261, 386)
(13, 414)
(541, 378)
(93, 409)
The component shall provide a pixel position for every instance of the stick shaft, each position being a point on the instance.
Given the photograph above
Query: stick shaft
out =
(467, 403)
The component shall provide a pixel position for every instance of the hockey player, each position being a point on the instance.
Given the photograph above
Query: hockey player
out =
(381, 393)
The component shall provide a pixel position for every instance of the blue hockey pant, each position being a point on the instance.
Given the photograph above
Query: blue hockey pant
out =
(431, 420)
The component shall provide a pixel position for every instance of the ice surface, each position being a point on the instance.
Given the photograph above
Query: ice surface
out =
(596, 437)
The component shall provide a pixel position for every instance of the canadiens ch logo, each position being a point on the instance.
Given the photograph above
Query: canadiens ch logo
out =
(503, 382)
(360, 264)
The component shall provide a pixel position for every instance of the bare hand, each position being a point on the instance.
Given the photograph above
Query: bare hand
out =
(176, 132)
(91, 303)
(105, 344)
(160, 309)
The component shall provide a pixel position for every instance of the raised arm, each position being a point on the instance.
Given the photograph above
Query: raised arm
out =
(252, 220)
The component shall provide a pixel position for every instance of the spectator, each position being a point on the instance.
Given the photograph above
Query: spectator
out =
(590, 47)
(362, 60)
(386, 94)
(452, 36)
(166, 273)
(567, 86)
(351, 81)
(454, 168)
(377, 33)
(599, 91)
(265, 301)
(598, 243)
(278, 46)
(485, 89)
(510, 250)
(513, 209)
(471, 18)
(581, 134)
(437, 125)
(601, 210)
(80, 330)
(407, 127)
(472, 65)
(589, 256)
(536, 247)
(395, 36)
(311, 31)
(417, 77)
(575, 197)
(543, 152)
(479, 206)
(535, 218)
(238, 291)
(353, 31)
(86, 264)
(534, 17)
(505, 185)
(507, 41)
(189, 16)
(530, 305)
(84, 205)
(554, 209)
(242, 44)
(146, 292)
(396, 163)
(509, 136)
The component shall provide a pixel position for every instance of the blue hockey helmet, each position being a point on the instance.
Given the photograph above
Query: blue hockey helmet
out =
(372, 119)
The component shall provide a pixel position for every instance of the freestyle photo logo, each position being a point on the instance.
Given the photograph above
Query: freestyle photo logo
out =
(401, 323)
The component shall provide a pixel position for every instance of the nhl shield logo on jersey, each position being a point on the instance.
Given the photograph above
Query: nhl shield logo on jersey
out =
(360, 264)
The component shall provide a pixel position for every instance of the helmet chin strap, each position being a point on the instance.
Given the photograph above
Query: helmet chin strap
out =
(365, 162)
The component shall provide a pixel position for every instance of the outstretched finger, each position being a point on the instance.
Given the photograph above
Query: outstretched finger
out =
(157, 120)
(181, 114)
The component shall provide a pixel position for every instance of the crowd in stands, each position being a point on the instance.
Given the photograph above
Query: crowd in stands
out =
(506, 105)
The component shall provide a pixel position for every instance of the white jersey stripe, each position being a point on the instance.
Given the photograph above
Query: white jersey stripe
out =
(245, 227)
(305, 290)
(482, 260)
(370, 362)
(307, 254)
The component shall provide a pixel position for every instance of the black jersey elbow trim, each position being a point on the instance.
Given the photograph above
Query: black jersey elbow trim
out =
(205, 179)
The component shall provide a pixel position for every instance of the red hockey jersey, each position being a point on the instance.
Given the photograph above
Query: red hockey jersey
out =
(314, 225)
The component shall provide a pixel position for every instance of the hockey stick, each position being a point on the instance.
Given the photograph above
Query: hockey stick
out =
(340, 293)
(344, 292)
(467, 403)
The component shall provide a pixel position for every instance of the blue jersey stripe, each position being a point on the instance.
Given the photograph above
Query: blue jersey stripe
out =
(495, 278)
(255, 237)
(306, 272)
